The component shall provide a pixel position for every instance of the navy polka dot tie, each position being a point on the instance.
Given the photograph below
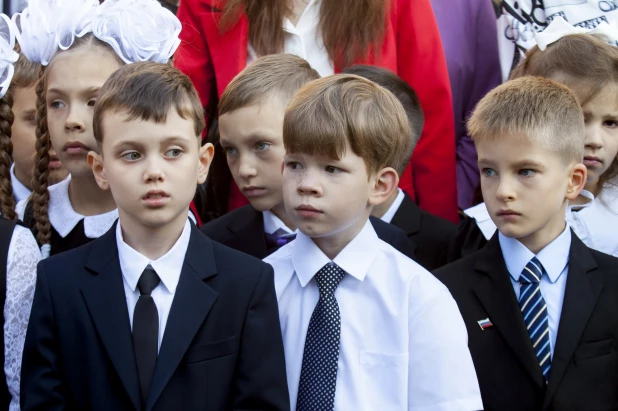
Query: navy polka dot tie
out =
(318, 377)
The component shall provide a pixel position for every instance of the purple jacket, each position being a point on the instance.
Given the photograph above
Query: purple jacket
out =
(469, 36)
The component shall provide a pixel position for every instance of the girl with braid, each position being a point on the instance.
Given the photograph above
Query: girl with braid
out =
(80, 43)
(19, 253)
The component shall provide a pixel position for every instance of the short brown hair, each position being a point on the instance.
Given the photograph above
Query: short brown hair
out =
(278, 75)
(330, 114)
(534, 108)
(147, 91)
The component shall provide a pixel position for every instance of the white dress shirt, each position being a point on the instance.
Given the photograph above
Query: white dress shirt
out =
(64, 218)
(168, 269)
(272, 223)
(403, 341)
(304, 40)
(555, 259)
(390, 213)
(20, 191)
(23, 257)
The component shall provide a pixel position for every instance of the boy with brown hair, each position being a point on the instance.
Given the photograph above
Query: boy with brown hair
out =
(153, 315)
(364, 327)
(250, 126)
(540, 306)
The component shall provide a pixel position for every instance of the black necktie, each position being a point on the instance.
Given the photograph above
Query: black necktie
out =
(318, 376)
(146, 330)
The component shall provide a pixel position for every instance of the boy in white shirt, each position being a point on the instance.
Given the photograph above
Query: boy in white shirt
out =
(364, 327)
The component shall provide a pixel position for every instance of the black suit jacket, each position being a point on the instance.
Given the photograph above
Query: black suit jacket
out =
(584, 372)
(430, 235)
(243, 230)
(222, 348)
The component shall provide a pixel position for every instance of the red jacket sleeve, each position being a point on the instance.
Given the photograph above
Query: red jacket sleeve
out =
(421, 62)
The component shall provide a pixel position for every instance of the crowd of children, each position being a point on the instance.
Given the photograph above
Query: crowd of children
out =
(115, 299)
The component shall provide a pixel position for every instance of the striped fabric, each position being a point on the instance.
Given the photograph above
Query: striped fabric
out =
(534, 310)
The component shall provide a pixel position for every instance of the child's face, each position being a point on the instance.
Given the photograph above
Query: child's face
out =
(23, 138)
(525, 186)
(74, 79)
(151, 169)
(327, 198)
(601, 117)
(253, 142)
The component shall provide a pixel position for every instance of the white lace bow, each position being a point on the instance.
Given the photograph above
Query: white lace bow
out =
(137, 30)
(559, 28)
(8, 56)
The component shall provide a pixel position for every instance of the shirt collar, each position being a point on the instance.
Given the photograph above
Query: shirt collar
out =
(355, 259)
(390, 213)
(168, 267)
(554, 257)
(307, 20)
(64, 218)
(272, 223)
(20, 191)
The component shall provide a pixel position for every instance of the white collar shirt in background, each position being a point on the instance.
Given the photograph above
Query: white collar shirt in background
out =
(390, 213)
(20, 191)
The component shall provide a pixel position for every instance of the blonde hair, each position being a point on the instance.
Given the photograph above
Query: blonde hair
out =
(331, 114)
(277, 75)
(535, 108)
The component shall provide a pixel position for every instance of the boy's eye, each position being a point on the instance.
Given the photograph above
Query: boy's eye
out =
(91, 103)
(489, 172)
(230, 151)
(261, 146)
(332, 170)
(175, 152)
(610, 124)
(526, 172)
(132, 156)
(294, 165)
(57, 104)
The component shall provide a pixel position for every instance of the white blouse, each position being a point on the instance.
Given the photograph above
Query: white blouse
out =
(304, 40)
(23, 257)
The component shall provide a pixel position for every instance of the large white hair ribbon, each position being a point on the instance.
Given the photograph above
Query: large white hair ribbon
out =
(559, 28)
(8, 56)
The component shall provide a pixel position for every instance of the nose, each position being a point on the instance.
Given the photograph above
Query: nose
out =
(308, 185)
(75, 120)
(593, 140)
(154, 172)
(246, 167)
(505, 191)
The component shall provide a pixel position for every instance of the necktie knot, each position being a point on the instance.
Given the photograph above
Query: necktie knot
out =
(532, 273)
(328, 279)
(148, 281)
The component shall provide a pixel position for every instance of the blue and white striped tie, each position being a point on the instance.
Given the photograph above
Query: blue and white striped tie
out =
(534, 310)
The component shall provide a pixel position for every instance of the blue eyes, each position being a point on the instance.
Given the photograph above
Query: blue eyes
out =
(526, 172)
(488, 172)
(173, 153)
(132, 156)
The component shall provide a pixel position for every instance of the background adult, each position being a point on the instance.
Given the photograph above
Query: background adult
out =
(220, 37)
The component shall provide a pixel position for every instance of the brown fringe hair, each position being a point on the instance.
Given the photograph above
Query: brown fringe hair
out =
(586, 64)
(350, 29)
(40, 177)
(7, 201)
(332, 114)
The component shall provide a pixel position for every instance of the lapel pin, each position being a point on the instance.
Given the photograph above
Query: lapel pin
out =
(484, 323)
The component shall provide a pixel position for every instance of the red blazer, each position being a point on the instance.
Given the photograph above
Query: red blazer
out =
(411, 48)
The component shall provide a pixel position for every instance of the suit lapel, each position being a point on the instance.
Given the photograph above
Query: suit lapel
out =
(580, 297)
(104, 295)
(228, 50)
(248, 233)
(497, 296)
(408, 218)
(192, 302)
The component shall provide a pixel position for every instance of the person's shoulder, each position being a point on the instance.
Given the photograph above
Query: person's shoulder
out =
(219, 229)
(437, 228)
(459, 273)
(282, 258)
(401, 268)
(236, 263)
(606, 263)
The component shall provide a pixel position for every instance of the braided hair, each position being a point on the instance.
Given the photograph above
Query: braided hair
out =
(7, 201)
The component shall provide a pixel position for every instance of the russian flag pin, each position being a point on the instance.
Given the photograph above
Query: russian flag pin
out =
(485, 323)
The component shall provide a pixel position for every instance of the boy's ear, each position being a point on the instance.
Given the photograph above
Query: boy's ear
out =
(577, 180)
(385, 183)
(95, 161)
(206, 154)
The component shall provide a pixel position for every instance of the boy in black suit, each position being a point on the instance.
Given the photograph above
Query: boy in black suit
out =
(540, 306)
(430, 235)
(250, 126)
(153, 315)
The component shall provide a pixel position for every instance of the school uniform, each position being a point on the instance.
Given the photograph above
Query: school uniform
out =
(20, 191)
(19, 256)
(402, 343)
(250, 231)
(69, 229)
(218, 344)
(429, 235)
(570, 314)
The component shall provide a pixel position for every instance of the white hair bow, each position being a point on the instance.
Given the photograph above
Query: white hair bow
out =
(559, 28)
(137, 30)
(8, 56)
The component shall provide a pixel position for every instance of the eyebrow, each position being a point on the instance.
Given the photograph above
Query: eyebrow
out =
(88, 90)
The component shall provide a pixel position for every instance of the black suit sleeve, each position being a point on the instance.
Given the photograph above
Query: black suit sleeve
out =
(260, 382)
(41, 385)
